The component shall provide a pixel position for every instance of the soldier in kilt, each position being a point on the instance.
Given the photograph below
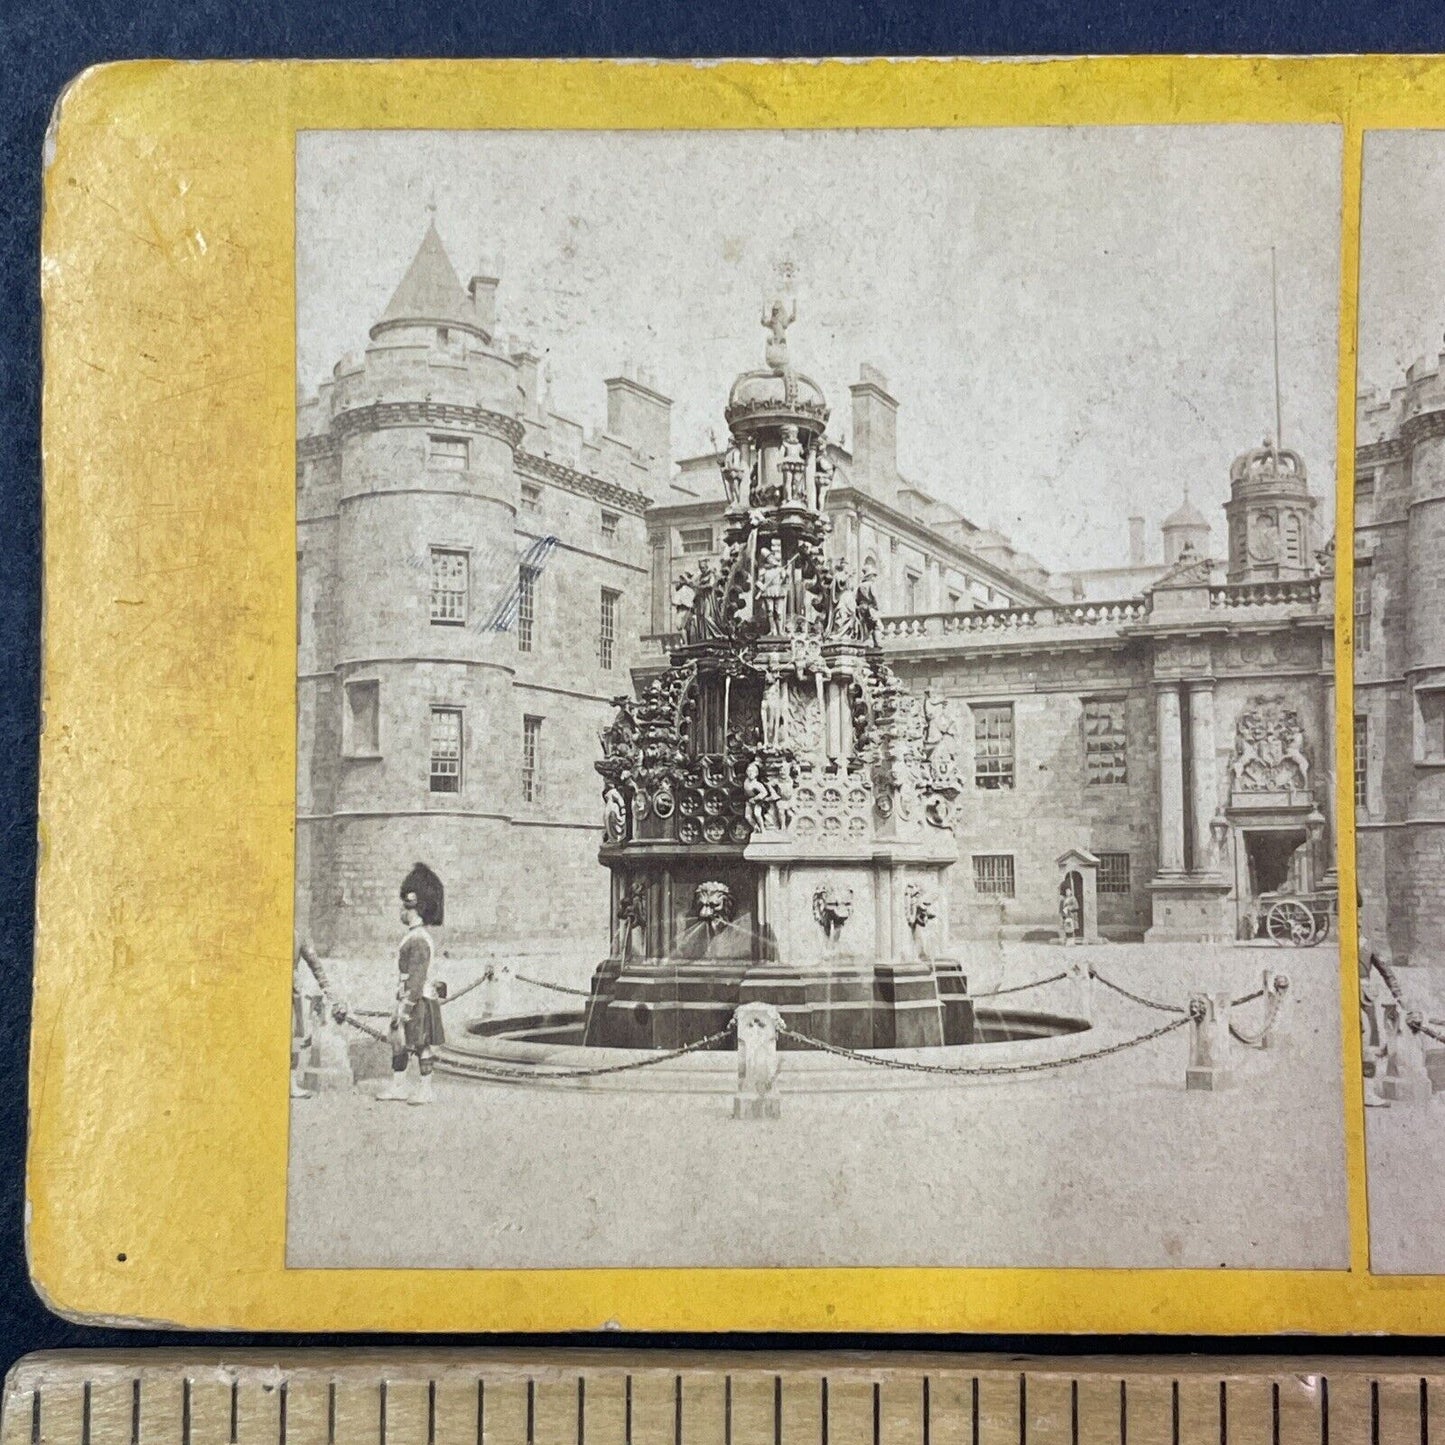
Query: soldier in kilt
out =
(416, 1020)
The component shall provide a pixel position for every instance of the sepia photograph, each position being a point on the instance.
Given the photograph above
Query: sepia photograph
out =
(816, 699)
(1399, 712)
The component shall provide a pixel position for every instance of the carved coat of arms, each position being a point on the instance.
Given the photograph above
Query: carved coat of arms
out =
(1269, 749)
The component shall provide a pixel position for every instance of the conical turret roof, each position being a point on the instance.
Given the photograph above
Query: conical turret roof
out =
(1185, 515)
(430, 292)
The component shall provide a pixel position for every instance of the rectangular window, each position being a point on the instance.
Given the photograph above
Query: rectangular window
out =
(993, 873)
(1106, 741)
(1362, 761)
(607, 635)
(447, 454)
(446, 750)
(993, 746)
(1364, 596)
(1430, 724)
(695, 540)
(531, 497)
(449, 569)
(609, 525)
(531, 760)
(910, 592)
(361, 720)
(526, 608)
(1113, 872)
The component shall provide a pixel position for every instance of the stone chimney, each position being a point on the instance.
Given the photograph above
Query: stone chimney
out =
(642, 417)
(482, 288)
(1136, 541)
(528, 365)
(875, 433)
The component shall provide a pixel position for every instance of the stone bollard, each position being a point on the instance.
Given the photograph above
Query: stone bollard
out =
(1081, 985)
(1277, 1001)
(1208, 1042)
(328, 1060)
(757, 1027)
(1403, 1077)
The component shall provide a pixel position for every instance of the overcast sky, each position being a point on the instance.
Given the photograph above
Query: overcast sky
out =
(1402, 254)
(1076, 321)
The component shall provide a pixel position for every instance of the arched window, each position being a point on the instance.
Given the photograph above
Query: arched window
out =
(430, 895)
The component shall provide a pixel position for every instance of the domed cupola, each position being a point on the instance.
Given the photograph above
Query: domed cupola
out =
(1271, 514)
(1185, 527)
(762, 401)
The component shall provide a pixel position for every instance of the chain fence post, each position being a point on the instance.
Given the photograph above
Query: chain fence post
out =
(1081, 981)
(1404, 1079)
(757, 1028)
(1276, 991)
(1208, 1042)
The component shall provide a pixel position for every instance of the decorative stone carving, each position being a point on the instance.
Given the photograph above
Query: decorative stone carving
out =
(632, 914)
(919, 908)
(832, 908)
(1269, 750)
(772, 590)
(792, 462)
(822, 474)
(713, 906)
(614, 814)
(777, 319)
(865, 606)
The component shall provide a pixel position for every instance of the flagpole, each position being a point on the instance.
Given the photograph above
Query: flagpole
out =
(1274, 306)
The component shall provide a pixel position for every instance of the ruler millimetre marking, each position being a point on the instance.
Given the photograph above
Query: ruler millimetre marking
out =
(415, 1397)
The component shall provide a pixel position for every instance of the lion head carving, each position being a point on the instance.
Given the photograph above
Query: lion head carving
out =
(832, 907)
(713, 906)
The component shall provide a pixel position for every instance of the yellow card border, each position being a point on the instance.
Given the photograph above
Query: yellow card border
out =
(158, 1124)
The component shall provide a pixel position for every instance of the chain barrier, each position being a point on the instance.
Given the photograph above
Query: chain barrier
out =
(1424, 1028)
(501, 1073)
(957, 1070)
(555, 987)
(1271, 1018)
(1154, 1003)
(1021, 987)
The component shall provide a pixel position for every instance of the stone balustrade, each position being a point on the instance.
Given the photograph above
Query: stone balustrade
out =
(1266, 594)
(1013, 619)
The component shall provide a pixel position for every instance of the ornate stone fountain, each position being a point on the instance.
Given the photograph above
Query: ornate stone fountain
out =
(777, 807)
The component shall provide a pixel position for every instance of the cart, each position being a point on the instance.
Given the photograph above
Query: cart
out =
(1296, 920)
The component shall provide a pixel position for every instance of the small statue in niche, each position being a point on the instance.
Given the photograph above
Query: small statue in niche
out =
(775, 710)
(772, 588)
(632, 914)
(1070, 922)
(792, 463)
(865, 605)
(703, 617)
(822, 474)
(782, 791)
(734, 473)
(940, 737)
(686, 582)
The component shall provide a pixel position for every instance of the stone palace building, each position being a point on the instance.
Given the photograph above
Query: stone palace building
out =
(1399, 631)
(479, 576)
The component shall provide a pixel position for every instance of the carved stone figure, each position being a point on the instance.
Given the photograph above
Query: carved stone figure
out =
(822, 474)
(792, 463)
(865, 605)
(734, 473)
(940, 736)
(775, 711)
(772, 589)
(757, 1027)
(713, 906)
(1070, 923)
(1269, 750)
(777, 319)
(919, 910)
(632, 914)
(614, 814)
(758, 798)
(782, 792)
(832, 908)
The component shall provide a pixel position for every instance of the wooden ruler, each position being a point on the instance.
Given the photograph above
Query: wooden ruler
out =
(613, 1397)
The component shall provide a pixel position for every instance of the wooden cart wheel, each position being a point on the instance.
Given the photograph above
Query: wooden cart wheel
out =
(1289, 921)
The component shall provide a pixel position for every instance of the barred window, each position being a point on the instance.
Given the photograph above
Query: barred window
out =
(609, 524)
(449, 586)
(695, 540)
(447, 454)
(993, 873)
(1113, 873)
(1364, 595)
(1362, 761)
(993, 746)
(446, 750)
(1106, 741)
(607, 636)
(531, 497)
(531, 759)
(1293, 538)
(526, 607)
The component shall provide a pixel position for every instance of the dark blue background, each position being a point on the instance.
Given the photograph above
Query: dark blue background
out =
(42, 45)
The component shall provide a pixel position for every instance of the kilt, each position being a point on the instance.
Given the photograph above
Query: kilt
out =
(422, 1028)
(298, 1019)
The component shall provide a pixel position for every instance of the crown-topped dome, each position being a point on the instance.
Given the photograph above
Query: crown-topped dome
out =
(778, 393)
(1268, 463)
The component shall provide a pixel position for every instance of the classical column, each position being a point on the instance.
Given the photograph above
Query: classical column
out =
(1203, 782)
(1171, 779)
(1324, 780)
